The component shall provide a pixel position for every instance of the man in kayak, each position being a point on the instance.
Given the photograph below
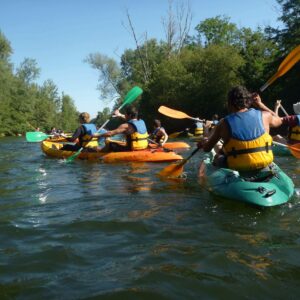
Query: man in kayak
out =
(83, 135)
(159, 135)
(293, 123)
(247, 144)
(134, 129)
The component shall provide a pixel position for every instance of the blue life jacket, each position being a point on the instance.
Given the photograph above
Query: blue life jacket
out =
(246, 126)
(87, 140)
(139, 139)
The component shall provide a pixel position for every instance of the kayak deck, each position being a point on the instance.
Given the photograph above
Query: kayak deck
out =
(264, 189)
(53, 149)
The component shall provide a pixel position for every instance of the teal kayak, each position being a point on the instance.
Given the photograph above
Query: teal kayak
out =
(281, 151)
(265, 188)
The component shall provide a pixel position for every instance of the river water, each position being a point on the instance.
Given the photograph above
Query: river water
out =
(116, 231)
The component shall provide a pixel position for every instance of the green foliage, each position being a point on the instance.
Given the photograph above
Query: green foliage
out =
(217, 30)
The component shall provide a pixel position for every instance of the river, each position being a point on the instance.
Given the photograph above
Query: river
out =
(117, 231)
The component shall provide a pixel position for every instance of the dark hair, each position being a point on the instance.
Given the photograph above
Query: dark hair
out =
(157, 123)
(239, 97)
(132, 112)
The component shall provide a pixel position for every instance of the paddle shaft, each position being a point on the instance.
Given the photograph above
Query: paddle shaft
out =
(158, 144)
(285, 66)
(285, 112)
(185, 160)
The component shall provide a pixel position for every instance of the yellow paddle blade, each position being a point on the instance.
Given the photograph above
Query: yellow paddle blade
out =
(295, 150)
(172, 113)
(174, 135)
(287, 64)
(172, 170)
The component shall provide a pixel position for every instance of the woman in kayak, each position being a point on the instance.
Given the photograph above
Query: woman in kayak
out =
(159, 134)
(293, 123)
(245, 133)
(83, 135)
(134, 129)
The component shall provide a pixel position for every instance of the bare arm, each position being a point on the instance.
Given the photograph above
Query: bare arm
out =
(277, 105)
(260, 105)
(165, 136)
(122, 129)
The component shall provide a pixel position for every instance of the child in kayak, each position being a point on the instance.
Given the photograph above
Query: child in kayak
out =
(159, 135)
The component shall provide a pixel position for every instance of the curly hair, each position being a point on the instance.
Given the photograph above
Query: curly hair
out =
(239, 97)
(84, 117)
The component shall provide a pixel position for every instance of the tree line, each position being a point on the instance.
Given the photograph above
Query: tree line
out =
(191, 73)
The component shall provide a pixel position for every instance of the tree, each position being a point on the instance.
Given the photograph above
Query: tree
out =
(110, 74)
(28, 70)
(69, 114)
(218, 30)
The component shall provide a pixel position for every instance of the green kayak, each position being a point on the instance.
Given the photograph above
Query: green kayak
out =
(281, 151)
(265, 188)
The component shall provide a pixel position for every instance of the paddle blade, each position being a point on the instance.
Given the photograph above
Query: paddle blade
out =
(172, 170)
(131, 96)
(174, 135)
(36, 136)
(172, 113)
(72, 157)
(295, 150)
(287, 64)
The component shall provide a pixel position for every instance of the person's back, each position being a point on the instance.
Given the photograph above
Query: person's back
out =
(245, 132)
(249, 145)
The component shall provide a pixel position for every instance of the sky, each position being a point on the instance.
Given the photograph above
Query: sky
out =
(60, 34)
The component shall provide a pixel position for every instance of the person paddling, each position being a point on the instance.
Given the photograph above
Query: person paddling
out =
(134, 129)
(245, 133)
(159, 135)
(83, 136)
(293, 123)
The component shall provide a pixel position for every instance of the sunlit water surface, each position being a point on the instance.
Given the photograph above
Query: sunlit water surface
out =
(117, 231)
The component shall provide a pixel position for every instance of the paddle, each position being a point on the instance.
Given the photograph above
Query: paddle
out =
(176, 169)
(129, 98)
(295, 149)
(287, 64)
(176, 114)
(159, 145)
(36, 136)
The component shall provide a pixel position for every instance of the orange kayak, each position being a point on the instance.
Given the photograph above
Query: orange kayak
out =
(171, 145)
(52, 149)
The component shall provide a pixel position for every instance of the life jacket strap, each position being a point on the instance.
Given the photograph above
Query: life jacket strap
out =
(235, 152)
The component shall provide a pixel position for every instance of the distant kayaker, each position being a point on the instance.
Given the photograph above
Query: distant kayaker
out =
(215, 120)
(293, 122)
(83, 135)
(134, 129)
(159, 135)
(198, 128)
(245, 133)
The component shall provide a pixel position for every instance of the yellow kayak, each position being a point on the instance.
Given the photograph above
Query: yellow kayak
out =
(52, 149)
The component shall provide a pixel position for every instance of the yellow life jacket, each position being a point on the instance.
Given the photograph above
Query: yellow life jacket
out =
(199, 131)
(139, 139)
(295, 133)
(87, 142)
(249, 155)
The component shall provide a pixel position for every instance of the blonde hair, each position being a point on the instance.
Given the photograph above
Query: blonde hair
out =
(84, 117)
